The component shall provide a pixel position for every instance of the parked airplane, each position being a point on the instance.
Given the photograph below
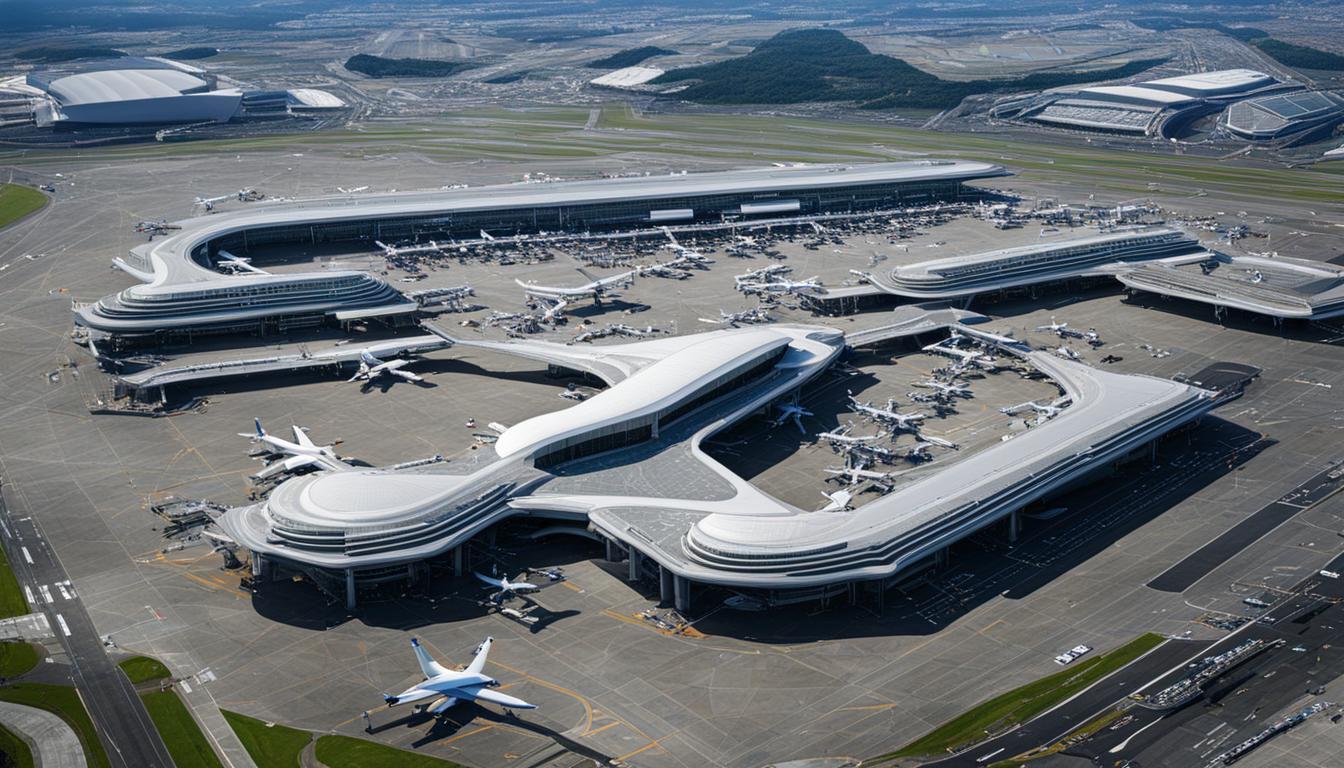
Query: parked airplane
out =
(236, 264)
(940, 442)
(965, 356)
(506, 588)
(371, 368)
(908, 422)
(352, 191)
(810, 285)
(763, 274)
(596, 288)
(734, 319)
(858, 474)
(1043, 412)
(945, 389)
(468, 685)
(300, 454)
(792, 411)
(842, 437)
(1053, 327)
(1065, 352)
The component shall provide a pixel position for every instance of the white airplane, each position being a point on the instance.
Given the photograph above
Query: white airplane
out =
(371, 368)
(236, 264)
(506, 588)
(837, 501)
(908, 422)
(468, 685)
(762, 274)
(858, 474)
(353, 190)
(1043, 412)
(594, 289)
(1053, 327)
(734, 319)
(792, 411)
(965, 356)
(688, 256)
(940, 442)
(810, 285)
(208, 203)
(945, 389)
(555, 312)
(301, 453)
(842, 437)
(1065, 352)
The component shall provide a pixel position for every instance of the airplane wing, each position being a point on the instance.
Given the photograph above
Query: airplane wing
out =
(589, 276)
(301, 437)
(335, 465)
(411, 694)
(407, 375)
(478, 663)
(428, 665)
(494, 697)
(286, 465)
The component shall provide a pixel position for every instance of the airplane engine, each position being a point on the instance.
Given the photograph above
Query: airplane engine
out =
(443, 706)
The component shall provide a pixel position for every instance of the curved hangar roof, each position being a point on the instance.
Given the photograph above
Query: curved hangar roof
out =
(123, 85)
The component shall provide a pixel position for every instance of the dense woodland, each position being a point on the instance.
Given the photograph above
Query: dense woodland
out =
(629, 58)
(377, 66)
(817, 65)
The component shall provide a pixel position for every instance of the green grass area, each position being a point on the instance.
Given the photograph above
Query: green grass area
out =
(17, 201)
(1021, 704)
(15, 750)
(63, 701)
(346, 752)
(524, 135)
(180, 732)
(271, 746)
(142, 669)
(16, 658)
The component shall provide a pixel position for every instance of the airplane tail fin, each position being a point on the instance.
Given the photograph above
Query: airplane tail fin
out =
(260, 431)
(428, 666)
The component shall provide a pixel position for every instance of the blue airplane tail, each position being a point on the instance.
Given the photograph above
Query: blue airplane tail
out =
(260, 432)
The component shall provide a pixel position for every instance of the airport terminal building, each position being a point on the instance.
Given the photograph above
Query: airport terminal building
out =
(185, 293)
(627, 464)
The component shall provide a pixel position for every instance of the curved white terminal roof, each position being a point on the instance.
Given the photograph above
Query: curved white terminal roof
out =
(1137, 93)
(657, 387)
(1214, 83)
(168, 260)
(122, 85)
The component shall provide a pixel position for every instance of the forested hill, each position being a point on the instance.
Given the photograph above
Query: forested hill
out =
(815, 65)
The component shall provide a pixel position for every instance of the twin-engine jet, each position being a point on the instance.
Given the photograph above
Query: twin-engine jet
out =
(442, 683)
(303, 453)
(371, 368)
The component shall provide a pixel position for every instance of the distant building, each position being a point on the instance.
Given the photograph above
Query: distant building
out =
(1276, 117)
(155, 91)
(1148, 108)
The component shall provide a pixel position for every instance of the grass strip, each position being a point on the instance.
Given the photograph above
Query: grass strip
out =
(271, 746)
(17, 201)
(347, 752)
(180, 731)
(142, 669)
(14, 749)
(1022, 704)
